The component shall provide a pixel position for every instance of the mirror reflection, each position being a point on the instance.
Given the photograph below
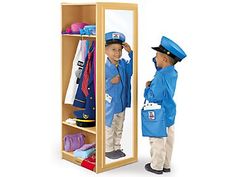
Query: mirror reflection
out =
(118, 84)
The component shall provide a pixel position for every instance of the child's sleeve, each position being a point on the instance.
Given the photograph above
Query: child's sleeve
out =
(109, 75)
(108, 83)
(156, 92)
(129, 65)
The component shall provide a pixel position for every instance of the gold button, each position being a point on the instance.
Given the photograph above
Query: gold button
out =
(91, 98)
(168, 53)
(93, 108)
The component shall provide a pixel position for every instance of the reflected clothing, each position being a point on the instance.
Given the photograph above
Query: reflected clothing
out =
(118, 96)
(161, 91)
(114, 133)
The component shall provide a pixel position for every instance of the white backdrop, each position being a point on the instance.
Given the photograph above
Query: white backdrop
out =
(30, 87)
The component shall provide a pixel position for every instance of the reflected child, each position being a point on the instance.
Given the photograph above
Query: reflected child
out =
(117, 92)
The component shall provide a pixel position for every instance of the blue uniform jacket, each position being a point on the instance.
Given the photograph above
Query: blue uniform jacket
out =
(162, 90)
(120, 93)
(86, 102)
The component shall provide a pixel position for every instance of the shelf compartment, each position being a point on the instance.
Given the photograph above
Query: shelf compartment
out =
(70, 157)
(86, 129)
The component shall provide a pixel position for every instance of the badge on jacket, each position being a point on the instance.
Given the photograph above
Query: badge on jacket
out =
(108, 98)
(151, 115)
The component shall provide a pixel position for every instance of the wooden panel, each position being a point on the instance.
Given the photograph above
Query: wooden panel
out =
(100, 88)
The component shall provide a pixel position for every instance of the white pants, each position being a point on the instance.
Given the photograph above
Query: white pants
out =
(114, 133)
(161, 150)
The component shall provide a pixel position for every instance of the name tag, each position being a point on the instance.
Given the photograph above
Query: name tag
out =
(108, 98)
(151, 106)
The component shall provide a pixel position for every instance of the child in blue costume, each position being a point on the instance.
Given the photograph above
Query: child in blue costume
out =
(118, 91)
(161, 91)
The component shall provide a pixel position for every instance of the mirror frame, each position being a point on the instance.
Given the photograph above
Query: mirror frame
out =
(100, 86)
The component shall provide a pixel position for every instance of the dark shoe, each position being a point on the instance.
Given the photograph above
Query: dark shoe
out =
(149, 168)
(112, 155)
(120, 153)
(166, 170)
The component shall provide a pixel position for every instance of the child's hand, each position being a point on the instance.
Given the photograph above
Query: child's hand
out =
(148, 83)
(116, 79)
(126, 47)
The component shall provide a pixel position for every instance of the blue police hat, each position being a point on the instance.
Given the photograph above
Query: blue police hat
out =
(114, 38)
(170, 48)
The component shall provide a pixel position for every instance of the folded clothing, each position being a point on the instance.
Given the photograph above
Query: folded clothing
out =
(84, 154)
(87, 146)
(89, 162)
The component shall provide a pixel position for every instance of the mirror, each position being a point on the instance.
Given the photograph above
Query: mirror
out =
(119, 102)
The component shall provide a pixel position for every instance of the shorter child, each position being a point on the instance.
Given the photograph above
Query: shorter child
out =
(161, 91)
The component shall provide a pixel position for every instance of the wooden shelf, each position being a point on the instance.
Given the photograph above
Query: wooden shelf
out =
(88, 129)
(70, 155)
(79, 35)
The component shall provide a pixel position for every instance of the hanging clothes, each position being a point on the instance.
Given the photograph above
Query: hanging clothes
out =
(85, 95)
(76, 71)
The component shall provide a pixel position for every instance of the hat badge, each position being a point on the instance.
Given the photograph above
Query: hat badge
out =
(85, 116)
(116, 36)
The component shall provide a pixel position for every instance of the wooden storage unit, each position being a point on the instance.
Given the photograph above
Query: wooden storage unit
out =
(92, 14)
(74, 13)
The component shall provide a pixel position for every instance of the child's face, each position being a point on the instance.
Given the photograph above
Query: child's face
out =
(114, 51)
(159, 59)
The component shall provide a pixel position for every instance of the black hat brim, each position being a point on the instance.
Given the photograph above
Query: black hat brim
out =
(113, 42)
(163, 50)
(156, 48)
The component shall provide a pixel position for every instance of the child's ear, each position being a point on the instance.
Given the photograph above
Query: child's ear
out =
(165, 59)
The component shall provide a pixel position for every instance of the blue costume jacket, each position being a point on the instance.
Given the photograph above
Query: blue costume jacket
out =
(162, 90)
(86, 102)
(119, 93)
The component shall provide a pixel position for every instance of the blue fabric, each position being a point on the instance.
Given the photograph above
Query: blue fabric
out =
(120, 92)
(88, 30)
(83, 154)
(81, 100)
(161, 91)
(153, 123)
